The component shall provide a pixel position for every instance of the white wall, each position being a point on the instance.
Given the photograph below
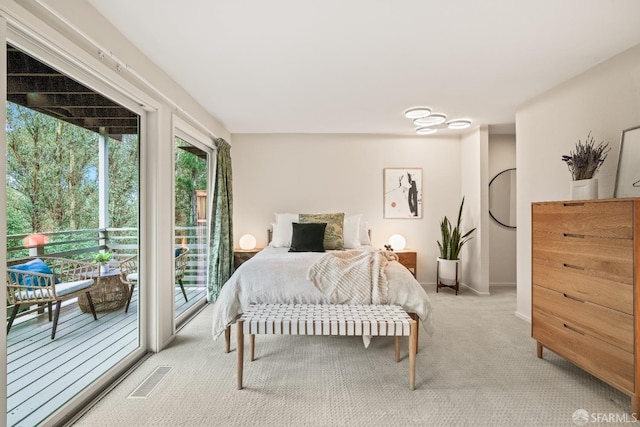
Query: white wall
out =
(343, 173)
(475, 254)
(604, 100)
(502, 244)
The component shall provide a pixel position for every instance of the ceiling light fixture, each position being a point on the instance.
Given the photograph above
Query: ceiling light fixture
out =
(432, 120)
(417, 112)
(458, 124)
(426, 131)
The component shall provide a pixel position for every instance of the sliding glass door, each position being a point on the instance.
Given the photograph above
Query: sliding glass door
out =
(191, 249)
(72, 192)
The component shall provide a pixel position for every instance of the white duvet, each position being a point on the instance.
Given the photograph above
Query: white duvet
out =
(275, 275)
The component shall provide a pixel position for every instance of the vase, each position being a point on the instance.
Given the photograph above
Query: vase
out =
(584, 189)
(104, 268)
(448, 272)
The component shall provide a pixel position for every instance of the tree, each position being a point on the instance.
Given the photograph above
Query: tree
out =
(190, 175)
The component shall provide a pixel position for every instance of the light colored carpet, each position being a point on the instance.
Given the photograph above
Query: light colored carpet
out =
(479, 369)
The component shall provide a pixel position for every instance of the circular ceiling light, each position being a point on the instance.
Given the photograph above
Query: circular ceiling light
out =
(426, 131)
(417, 112)
(432, 120)
(459, 124)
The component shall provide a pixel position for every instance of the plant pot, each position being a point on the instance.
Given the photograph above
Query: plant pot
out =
(448, 272)
(104, 268)
(584, 189)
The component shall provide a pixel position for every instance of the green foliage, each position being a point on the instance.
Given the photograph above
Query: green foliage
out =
(123, 182)
(190, 175)
(102, 257)
(452, 237)
(52, 165)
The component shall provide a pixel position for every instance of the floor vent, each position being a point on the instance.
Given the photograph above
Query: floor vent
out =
(144, 390)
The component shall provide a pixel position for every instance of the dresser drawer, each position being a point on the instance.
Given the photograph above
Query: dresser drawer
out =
(597, 288)
(605, 219)
(605, 361)
(613, 257)
(611, 326)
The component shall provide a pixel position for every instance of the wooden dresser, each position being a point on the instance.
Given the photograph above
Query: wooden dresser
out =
(585, 287)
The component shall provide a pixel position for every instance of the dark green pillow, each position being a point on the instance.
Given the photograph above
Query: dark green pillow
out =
(307, 237)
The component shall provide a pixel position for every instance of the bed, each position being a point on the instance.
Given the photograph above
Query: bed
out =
(276, 275)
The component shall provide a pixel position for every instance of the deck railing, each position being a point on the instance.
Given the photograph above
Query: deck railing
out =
(122, 242)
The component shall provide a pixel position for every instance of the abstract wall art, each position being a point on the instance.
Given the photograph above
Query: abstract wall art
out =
(403, 193)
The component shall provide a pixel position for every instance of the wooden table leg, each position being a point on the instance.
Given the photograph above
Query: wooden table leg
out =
(240, 351)
(252, 344)
(227, 339)
(413, 345)
(397, 348)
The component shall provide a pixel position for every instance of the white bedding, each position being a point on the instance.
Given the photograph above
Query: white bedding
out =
(275, 275)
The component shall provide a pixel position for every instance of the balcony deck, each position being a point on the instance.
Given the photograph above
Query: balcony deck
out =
(42, 374)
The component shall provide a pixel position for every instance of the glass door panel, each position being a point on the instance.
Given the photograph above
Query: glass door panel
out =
(191, 180)
(72, 192)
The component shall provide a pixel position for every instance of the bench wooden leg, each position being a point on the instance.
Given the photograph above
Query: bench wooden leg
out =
(240, 351)
(227, 339)
(413, 346)
(417, 319)
(252, 345)
(397, 348)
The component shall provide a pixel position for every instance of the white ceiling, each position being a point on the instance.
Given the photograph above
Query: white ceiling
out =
(354, 66)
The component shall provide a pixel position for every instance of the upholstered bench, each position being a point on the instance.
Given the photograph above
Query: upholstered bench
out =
(322, 319)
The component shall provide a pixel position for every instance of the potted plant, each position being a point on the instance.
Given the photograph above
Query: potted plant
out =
(103, 258)
(584, 163)
(453, 239)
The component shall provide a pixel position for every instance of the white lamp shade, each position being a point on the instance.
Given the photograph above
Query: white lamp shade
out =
(247, 242)
(397, 242)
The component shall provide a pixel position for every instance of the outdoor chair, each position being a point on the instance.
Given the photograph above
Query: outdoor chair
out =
(129, 272)
(182, 258)
(129, 276)
(45, 280)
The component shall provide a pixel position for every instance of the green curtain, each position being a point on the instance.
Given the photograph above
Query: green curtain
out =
(221, 223)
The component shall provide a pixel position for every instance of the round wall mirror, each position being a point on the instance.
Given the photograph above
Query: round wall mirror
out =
(502, 198)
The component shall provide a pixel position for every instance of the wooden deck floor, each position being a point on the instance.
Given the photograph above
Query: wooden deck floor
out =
(43, 374)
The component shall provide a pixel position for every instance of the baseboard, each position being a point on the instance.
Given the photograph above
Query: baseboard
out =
(465, 286)
(522, 316)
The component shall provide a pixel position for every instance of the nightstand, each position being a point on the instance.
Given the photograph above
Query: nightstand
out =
(243, 255)
(410, 260)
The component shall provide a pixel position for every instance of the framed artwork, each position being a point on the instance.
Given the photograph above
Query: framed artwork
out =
(628, 176)
(403, 193)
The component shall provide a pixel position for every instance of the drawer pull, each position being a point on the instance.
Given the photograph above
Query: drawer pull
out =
(573, 298)
(575, 236)
(571, 328)
(575, 267)
(573, 204)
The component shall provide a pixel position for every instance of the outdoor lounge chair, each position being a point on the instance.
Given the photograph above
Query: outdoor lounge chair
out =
(129, 276)
(129, 272)
(182, 258)
(45, 280)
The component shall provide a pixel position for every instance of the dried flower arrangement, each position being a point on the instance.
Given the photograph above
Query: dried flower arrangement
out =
(587, 158)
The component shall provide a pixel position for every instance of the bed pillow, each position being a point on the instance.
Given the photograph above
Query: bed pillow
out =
(351, 231)
(307, 237)
(282, 231)
(364, 233)
(333, 235)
